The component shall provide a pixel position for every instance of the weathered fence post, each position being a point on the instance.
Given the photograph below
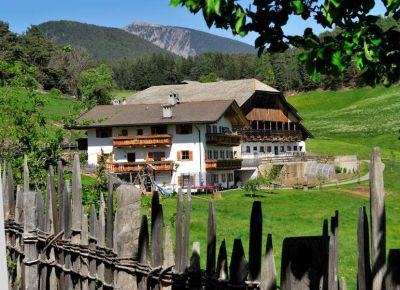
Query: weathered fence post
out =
(255, 243)
(93, 240)
(143, 251)
(364, 267)
(3, 255)
(238, 267)
(211, 243)
(30, 240)
(127, 233)
(179, 236)
(378, 221)
(84, 270)
(157, 221)
(268, 275)
(222, 263)
(66, 256)
(186, 235)
(108, 271)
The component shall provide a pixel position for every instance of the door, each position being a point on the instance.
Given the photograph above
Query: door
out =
(276, 150)
(131, 157)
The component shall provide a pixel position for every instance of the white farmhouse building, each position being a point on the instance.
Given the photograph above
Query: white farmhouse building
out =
(275, 128)
(182, 142)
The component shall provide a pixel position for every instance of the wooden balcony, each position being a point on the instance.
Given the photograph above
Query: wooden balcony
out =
(159, 166)
(221, 139)
(142, 141)
(261, 135)
(223, 164)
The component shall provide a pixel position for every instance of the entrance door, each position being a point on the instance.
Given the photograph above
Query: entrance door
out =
(131, 157)
(276, 150)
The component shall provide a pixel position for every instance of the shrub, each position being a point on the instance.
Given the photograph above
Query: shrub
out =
(338, 169)
(55, 92)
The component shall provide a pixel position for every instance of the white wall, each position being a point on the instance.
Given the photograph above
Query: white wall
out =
(95, 145)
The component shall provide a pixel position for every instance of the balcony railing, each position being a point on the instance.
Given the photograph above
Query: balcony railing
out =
(270, 135)
(142, 141)
(119, 167)
(223, 164)
(221, 139)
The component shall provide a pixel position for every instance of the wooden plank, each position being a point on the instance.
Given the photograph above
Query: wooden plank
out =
(186, 234)
(393, 270)
(378, 220)
(30, 250)
(102, 222)
(333, 279)
(93, 238)
(110, 224)
(222, 263)
(11, 191)
(195, 258)
(127, 231)
(3, 254)
(364, 267)
(76, 201)
(211, 240)
(19, 206)
(84, 270)
(179, 236)
(156, 231)
(238, 267)
(143, 251)
(268, 274)
(169, 255)
(66, 279)
(303, 263)
(60, 188)
(255, 244)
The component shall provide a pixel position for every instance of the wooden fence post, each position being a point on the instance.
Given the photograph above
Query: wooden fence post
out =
(255, 243)
(364, 267)
(66, 256)
(211, 240)
(30, 240)
(26, 174)
(268, 275)
(3, 252)
(93, 240)
(127, 232)
(179, 236)
(108, 271)
(238, 267)
(143, 251)
(156, 235)
(378, 221)
(84, 270)
(222, 263)
(186, 234)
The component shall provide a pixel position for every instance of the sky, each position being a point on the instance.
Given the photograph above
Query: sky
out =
(20, 14)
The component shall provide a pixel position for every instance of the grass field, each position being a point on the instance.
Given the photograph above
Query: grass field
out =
(353, 121)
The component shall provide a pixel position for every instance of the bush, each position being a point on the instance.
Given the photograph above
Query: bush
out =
(55, 92)
(338, 169)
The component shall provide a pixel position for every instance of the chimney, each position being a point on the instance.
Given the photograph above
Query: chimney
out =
(167, 111)
(173, 98)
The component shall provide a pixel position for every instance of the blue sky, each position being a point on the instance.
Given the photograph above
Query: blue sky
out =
(20, 14)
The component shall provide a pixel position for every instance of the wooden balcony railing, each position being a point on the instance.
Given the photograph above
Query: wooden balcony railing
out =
(221, 139)
(223, 164)
(119, 167)
(142, 141)
(270, 135)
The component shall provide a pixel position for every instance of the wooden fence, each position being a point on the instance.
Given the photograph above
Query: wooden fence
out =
(55, 245)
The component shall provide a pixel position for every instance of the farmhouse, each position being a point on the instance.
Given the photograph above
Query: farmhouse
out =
(178, 142)
(274, 130)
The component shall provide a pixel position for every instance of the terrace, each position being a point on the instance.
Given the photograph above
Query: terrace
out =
(222, 139)
(223, 164)
(158, 166)
(142, 141)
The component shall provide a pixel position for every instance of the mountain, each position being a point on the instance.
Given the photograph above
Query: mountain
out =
(103, 43)
(186, 42)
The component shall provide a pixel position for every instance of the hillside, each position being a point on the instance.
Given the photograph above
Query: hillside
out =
(353, 121)
(103, 43)
(187, 42)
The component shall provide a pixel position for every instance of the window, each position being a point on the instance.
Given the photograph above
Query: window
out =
(223, 177)
(282, 148)
(294, 148)
(215, 129)
(289, 148)
(131, 157)
(124, 132)
(140, 131)
(230, 177)
(208, 128)
(186, 155)
(185, 179)
(215, 178)
(222, 154)
(103, 132)
(221, 129)
(229, 154)
(247, 149)
(255, 148)
(269, 149)
(262, 149)
(300, 148)
(161, 129)
(209, 154)
(215, 154)
(156, 156)
(183, 129)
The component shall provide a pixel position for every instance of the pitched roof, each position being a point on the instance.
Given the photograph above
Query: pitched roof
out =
(151, 114)
(239, 90)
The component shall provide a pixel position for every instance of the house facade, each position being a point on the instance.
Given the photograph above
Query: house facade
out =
(274, 131)
(181, 143)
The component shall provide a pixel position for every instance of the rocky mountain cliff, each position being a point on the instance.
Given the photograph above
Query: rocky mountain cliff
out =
(186, 42)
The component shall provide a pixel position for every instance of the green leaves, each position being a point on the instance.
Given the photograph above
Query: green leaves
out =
(337, 61)
(298, 6)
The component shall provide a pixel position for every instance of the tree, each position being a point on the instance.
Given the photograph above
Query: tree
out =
(96, 85)
(374, 49)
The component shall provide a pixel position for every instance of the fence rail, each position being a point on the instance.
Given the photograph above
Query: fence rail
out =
(55, 244)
